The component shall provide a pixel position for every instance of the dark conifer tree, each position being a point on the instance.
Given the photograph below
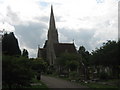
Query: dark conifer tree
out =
(25, 53)
(10, 45)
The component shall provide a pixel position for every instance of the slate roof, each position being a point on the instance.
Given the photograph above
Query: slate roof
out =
(59, 48)
(64, 47)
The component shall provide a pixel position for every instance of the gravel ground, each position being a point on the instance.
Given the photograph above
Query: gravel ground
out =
(52, 82)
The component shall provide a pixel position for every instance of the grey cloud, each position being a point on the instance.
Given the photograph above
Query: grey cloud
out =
(43, 18)
(106, 23)
(46, 19)
(31, 34)
(83, 37)
(59, 19)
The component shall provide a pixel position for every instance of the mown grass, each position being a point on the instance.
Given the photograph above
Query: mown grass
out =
(97, 85)
(39, 85)
(42, 85)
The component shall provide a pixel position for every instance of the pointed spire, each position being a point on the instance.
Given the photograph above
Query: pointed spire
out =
(51, 9)
(52, 31)
(52, 20)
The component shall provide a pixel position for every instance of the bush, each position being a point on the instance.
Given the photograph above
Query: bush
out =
(16, 71)
(104, 75)
(73, 75)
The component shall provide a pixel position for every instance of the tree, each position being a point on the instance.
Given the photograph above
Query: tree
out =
(25, 53)
(68, 62)
(84, 60)
(16, 71)
(72, 65)
(38, 66)
(84, 55)
(107, 56)
(10, 45)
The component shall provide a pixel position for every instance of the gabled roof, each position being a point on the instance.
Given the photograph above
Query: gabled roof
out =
(42, 53)
(64, 47)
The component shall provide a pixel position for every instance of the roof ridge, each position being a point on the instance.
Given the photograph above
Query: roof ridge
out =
(64, 43)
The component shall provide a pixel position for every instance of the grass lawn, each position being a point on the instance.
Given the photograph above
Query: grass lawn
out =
(36, 84)
(97, 85)
(39, 85)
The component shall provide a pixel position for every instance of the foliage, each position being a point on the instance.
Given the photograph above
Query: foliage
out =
(104, 75)
(10, 45)
(25, 53)
(74, 75)
(68, 61)
(106, 55)
(38, 65)
(84, 61)
(84, 55)
(16, 71)
(72, 65)
(100, 86)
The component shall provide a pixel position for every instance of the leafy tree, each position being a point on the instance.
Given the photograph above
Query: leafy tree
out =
(25, 53)
(72, 65)
(38, 65)
(107, 56)
(67, 62)
(84, 60)
(84, 55)
(16, 71)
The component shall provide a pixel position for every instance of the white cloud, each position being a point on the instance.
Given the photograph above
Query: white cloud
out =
(89, 22)
(7, 27)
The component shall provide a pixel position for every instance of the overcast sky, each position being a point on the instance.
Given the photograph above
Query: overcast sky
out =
(87, 22)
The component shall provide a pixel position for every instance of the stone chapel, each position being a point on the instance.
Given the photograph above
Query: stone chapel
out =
(52, 47)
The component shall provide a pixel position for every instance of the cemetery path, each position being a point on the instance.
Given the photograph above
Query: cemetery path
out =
(52, 82)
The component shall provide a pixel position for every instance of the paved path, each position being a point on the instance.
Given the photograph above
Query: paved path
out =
(52, 82)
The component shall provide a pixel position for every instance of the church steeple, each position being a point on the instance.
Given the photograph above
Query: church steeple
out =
(52, 32)
(52, 19)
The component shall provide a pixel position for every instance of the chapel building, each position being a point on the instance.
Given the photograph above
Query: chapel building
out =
(52, 47)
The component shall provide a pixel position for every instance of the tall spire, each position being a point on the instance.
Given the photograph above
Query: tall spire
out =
(52, 32)
(52, 19)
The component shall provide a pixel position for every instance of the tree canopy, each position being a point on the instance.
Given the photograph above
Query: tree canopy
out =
(10, 45)
(16, 71)
(106, 55)
(25, 53)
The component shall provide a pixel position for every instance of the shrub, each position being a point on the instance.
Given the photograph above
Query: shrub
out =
(73, 75)
(104, 75)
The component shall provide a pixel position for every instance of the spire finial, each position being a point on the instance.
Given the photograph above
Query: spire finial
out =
(52, 9)
(52, 20)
